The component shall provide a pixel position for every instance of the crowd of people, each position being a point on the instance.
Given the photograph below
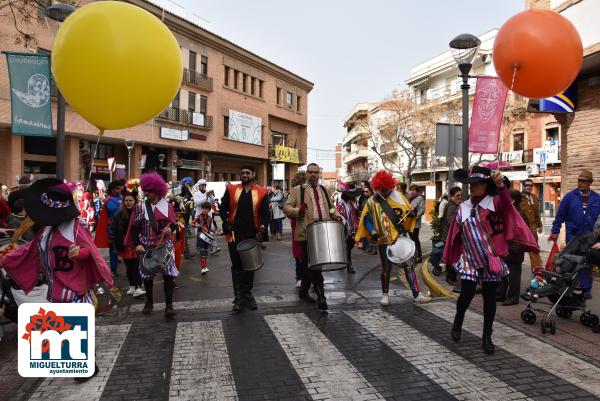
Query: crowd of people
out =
(149, 224)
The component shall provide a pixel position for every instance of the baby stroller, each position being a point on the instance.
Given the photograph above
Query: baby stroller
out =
(561, 290)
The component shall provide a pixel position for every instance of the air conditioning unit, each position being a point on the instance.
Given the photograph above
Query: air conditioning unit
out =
(533, 169)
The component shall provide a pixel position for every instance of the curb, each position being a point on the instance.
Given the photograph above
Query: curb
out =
(436, 288)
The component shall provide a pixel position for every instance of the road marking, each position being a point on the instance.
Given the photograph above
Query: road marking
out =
(325, 372)
(454, 374)
(558, 362)
(201, 368)
(109, 340)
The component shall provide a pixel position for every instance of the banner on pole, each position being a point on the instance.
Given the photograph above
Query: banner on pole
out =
(31, 108)
(486, 119)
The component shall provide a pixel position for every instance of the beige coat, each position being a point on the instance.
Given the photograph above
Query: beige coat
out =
(293, 205)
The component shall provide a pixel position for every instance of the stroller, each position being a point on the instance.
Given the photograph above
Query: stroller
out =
(561, 291)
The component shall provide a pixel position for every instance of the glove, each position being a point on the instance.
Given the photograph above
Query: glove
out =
(227, 227)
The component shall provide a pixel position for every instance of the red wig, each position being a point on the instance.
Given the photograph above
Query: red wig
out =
(383, 181)
(153, 182)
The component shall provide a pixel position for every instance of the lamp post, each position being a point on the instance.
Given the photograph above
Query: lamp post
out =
(464, 49)
(59, 12)
(129, 144)
(273, 160)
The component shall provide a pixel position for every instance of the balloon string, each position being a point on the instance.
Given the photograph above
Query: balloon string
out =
(500, 142)
(100, 133)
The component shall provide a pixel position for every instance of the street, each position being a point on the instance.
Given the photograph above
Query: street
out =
(287, 350)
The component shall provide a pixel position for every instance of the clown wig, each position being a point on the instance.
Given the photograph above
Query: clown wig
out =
(383, 181)
(154, 183)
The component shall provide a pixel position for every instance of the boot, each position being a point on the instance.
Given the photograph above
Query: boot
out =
(250, 301)
(488, 345)
(237, 302)
(303, 294)
(149, 285)
(169, 311)
(457, 328)
(321, 300)
(350, 269)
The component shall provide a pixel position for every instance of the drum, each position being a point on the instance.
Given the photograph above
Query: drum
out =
(208, 238)
(401, 251)
(327, 245)
(156, 259)
(250, 254)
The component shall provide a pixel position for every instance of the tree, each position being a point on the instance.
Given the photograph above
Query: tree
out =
(402, 125)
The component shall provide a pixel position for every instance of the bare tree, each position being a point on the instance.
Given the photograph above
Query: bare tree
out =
(22, 14)
(402, 125)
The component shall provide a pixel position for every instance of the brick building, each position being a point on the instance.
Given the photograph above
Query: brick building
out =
(221, 81)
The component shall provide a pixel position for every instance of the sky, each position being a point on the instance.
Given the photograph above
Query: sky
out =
(353, 51)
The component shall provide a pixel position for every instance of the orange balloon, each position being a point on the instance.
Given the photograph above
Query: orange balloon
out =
(544, 47)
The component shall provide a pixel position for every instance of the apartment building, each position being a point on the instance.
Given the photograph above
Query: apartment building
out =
(197, 135)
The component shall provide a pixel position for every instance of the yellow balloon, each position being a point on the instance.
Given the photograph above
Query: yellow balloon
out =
(116, 64)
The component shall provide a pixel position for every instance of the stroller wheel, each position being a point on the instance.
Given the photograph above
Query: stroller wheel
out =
(544, 325)
(552, 325)
(585, 318)
(437, 270)
(528, 316)
(594, 320)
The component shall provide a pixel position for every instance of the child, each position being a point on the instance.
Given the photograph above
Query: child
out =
(203, 222)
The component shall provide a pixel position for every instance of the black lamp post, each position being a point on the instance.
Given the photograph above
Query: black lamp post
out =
(129, 144)
(464, 49)
(59, 12)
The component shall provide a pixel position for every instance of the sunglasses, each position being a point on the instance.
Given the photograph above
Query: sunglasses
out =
(528, 185)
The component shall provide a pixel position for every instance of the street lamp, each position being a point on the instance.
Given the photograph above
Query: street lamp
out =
(464, 49)
(59, 12)
(129, 144)
(273, 160)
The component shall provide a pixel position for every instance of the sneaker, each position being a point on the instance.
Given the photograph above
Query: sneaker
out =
(215, 250)
(115, 274)
(204, 270)
(299, 284)
(131, 290)
(422, 299)
(385, 300)
(139, 292)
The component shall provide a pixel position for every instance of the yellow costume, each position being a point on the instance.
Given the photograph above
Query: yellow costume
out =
(381, 223)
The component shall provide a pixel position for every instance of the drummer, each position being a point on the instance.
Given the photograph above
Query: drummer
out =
(203, 222)
(378, 228)
(307, 204)
(245, 213)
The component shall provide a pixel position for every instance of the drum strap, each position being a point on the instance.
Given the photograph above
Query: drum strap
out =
(389, 212)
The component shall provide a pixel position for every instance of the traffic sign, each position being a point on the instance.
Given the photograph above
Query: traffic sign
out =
(543, 160)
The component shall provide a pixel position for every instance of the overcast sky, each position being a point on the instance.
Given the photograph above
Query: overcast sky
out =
(353, 51)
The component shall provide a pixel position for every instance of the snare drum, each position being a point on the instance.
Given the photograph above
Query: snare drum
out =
(250, 254)
(208, 238)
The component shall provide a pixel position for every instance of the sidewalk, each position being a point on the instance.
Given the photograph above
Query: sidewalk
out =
(569, 332)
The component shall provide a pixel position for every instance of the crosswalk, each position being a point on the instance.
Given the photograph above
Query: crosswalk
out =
(366, 353)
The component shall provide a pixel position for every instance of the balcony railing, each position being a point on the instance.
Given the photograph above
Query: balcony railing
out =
(185, 117)
(196, 79)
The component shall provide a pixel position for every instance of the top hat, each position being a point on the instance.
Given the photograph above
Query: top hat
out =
(48, 203)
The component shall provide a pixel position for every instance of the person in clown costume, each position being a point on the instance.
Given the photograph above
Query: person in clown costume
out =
(381, 232)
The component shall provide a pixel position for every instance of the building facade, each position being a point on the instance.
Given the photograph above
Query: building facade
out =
(356, 146)
(198, 135)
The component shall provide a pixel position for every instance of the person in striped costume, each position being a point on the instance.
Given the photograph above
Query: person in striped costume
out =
(381, 232)
(478, 241)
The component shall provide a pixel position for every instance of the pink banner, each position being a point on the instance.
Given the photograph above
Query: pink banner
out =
(486, 119)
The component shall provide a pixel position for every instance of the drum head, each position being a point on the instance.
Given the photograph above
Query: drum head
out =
(246, 245)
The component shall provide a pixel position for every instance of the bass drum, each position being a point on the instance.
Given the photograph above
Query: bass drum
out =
(327, 245)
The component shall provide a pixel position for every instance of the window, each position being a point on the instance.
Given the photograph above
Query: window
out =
(235, 79)
(552, 137)
(244, 83)
(260, 88)
(297, 103)
(227, 75)
(278, 95)
(175, 101)
(252, 85)
(289, 99)
(277, 138)
(226, 126)
(191, 101)
(203, 102)
(204, 65)
(192, 63)
(519, 141)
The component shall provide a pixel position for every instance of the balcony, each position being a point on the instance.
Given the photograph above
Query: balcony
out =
(389, 147)
(198, 80)
(358, 176)
(186, 117)
(355, 154)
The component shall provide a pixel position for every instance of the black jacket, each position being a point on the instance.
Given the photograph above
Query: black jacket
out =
(117, 230)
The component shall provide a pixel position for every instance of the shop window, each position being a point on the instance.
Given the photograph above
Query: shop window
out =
(104, 151)
(519, 141)
(40, 145)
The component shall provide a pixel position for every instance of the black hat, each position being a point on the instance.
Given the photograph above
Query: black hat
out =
(14, 196)
(114, 184)
(477, 174)
(48, 203)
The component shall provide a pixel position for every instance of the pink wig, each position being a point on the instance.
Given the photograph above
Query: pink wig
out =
(383, 181)
(154, 183)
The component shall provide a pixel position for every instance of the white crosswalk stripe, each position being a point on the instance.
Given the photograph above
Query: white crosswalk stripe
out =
(324, 371)
(109, 340)
(201, 368)
(558, 362)
(454, 374)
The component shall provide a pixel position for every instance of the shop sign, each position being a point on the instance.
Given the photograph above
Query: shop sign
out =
(516, 175)
(245, 128)
(513, 157)
(279, 171)
(552, 155)
(198, 119)
(175, 134)
(287, 155)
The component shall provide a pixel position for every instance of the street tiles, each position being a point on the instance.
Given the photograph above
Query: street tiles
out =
(282, 352)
